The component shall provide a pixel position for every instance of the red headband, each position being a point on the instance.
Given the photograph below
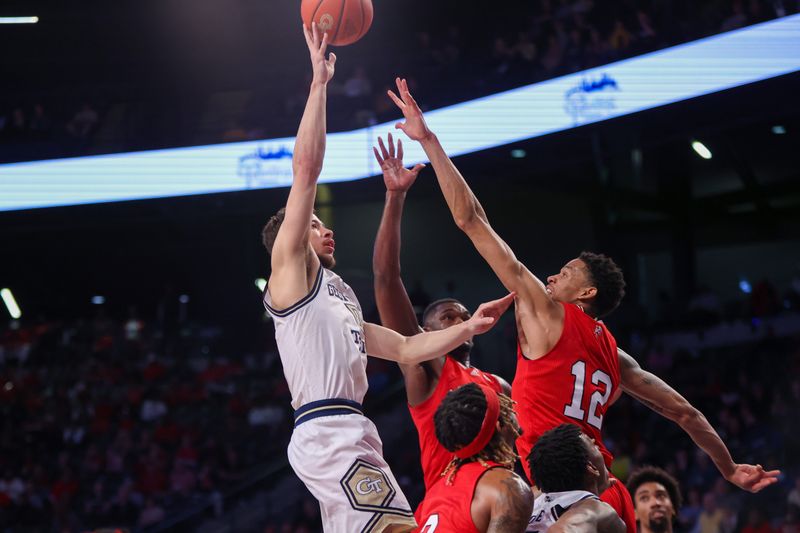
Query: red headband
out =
(487, 427)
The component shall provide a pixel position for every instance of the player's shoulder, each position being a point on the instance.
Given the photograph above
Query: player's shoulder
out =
(502, 483)
(503, 497)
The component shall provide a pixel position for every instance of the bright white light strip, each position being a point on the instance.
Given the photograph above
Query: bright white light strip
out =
(709, 65)
(19, 20)
(701, 149)
(261, 284)
(11, 303)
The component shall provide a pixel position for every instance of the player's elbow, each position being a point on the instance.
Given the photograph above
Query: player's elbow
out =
(306, 169)
(686, 415)
(401, 352)
(384, 275)
(471, 222)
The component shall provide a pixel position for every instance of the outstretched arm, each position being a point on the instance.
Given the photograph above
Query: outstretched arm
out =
(471, 218)
(288, 281)
(666, 401)
(394, 305)
(387, 344)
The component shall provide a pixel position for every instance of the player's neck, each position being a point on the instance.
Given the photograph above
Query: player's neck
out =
(462, 358)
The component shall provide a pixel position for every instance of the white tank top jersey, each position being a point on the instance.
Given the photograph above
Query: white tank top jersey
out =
(550, 506)
(321, 342)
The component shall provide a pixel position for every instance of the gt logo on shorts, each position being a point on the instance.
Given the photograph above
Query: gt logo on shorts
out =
(370, 490)
(367, 485)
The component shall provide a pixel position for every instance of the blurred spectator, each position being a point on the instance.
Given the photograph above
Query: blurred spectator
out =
(756, 522)
(40, 124)
(83, 122)
(358, 85)
(794, 495)
(151, 513)
(711, 519)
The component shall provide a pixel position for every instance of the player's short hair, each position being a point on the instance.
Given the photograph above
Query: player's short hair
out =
(653, 474)
(426, 314)
(458, 419)
(270, 231)
(607, 277)
(558, 459)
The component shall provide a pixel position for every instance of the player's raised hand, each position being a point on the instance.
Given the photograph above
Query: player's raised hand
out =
(396, 177)
(317, 45)
(753, 478)
(487, 315)
(414, 126)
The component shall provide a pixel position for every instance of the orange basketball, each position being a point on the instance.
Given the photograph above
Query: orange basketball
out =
(346, 21)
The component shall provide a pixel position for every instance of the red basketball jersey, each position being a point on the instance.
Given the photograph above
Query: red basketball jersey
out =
(573, 383)
(433, 455)
(448, 508)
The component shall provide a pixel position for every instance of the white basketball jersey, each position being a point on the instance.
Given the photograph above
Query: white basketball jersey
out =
(551, 505)
(321, 342)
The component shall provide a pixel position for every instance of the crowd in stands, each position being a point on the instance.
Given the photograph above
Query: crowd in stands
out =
(108, 422)
(447, 60)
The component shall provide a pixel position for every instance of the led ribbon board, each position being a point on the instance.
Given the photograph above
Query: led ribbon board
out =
(686, 71)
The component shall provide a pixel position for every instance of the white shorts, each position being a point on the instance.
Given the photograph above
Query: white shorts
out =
(340, 460)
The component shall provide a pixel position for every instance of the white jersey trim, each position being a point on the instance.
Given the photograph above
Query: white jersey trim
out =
(300, 303)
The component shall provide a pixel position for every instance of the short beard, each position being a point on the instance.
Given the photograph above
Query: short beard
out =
(659, 525)
(327, 261)
(461, 353)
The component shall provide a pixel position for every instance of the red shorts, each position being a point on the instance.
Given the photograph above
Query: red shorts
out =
(618, 497)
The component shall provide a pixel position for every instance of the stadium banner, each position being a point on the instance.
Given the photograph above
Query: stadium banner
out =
(659, 78)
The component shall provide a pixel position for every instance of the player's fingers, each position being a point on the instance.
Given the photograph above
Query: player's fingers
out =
(400, 149)
(485, 321)
(331, 57)
(396, 99)
(315, 34)
(323, 45)
(506, 300)
(399, 85)
(391, 146)
(772, 473)
(400, 126)
(763, 484)
(417, 169)
(307, 35)
(384, 153)
(378, 156)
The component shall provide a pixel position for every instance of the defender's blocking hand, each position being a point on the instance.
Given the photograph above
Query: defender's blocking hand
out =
(414, 126)
(396, 177)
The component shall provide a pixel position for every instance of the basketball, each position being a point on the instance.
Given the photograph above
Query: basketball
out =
(345, 21)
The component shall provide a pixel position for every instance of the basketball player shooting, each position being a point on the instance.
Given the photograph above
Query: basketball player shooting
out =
(569, 368)
(323, 343)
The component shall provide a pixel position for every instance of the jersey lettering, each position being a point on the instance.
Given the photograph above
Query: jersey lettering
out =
(358, 338)
(431, 524)
(597, 400)
(333, 291)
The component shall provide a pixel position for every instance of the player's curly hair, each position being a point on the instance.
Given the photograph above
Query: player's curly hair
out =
(270, 231)
(653, 474)
(607, 277)
(458, 421)
(558, 459)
